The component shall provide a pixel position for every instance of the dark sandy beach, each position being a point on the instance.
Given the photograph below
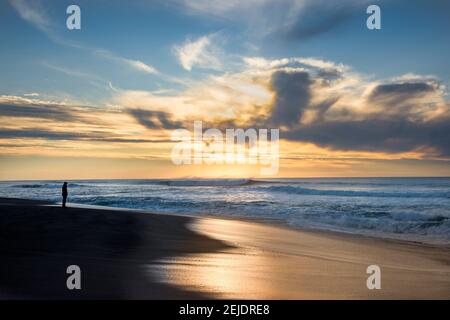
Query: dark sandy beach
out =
(112, 248)
(135, 255)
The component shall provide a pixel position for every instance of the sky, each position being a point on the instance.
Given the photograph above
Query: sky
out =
(103, 101)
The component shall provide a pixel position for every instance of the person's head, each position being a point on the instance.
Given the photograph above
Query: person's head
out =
(65, 183)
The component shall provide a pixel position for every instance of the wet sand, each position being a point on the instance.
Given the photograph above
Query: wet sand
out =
(269, 262)
(134, 255)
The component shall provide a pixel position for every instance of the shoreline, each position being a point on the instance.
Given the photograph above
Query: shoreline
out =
(124, 254)
(268, 221)
(395, 209)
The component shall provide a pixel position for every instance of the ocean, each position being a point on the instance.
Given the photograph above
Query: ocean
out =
(416, 209)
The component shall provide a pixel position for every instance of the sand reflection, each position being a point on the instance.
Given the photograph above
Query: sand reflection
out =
(277, 263)
(243, 272)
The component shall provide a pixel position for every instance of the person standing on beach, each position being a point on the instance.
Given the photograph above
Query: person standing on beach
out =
(64, 194)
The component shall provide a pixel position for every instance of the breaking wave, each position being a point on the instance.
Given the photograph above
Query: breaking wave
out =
(351, 193)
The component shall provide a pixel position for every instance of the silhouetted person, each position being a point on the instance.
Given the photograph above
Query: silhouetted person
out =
(64, 194)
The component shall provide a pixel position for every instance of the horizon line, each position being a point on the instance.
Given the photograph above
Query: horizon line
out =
(230, 178)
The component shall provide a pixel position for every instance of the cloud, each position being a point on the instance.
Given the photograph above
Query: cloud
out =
(139, 65)
(298, 19)
(36, 119)
(32, 12)
(201, 52)
(292, 97)
(322, 66)
(95, 80)
(393, 117)
(18, 111)
(379, 135)
(312, 101)
(223, 97)
(398, 92)
(38, 15)
(12, 106)
(155, 119)
(312, 18)
(135, 64)
(263, 63)
(38, 133)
